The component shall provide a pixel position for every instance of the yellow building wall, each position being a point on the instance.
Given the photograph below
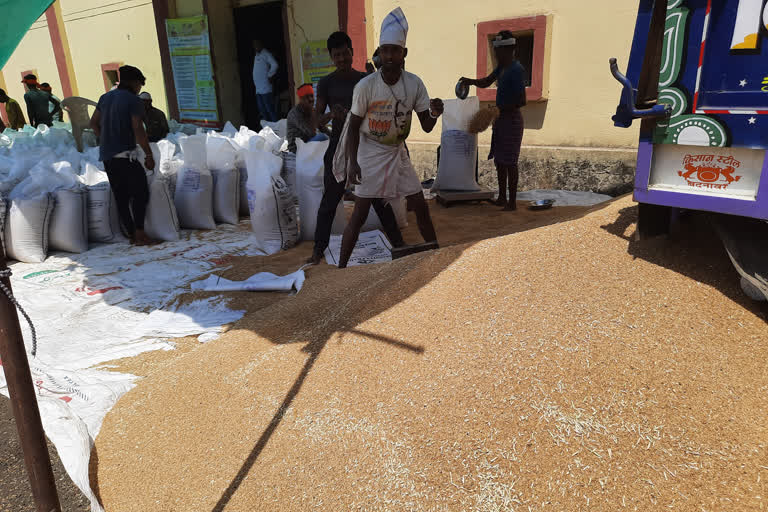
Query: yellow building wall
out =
(99, 33)
(34, 52)
(442, 45)
(123, 32)
(309, 20)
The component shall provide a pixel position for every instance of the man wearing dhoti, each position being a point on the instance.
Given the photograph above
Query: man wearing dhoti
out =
(375, 158)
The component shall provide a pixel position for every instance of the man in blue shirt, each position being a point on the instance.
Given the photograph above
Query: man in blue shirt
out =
(508, 128)
(119, 123)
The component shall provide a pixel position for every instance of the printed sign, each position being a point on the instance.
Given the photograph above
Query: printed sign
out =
(315, 61)
(190, 49)
(733, 172)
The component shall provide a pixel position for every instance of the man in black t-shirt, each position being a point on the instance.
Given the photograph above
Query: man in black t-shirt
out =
(335, 92)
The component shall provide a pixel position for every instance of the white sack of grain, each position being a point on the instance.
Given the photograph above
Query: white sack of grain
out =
(280, 128)
(271, 204)
(103, 219)
(194, 186)
(226, 196)
(222, 155)
(274, 141)
(26, 228)
(309, 187)
(161, 221)
(458, 147)
(69, 222)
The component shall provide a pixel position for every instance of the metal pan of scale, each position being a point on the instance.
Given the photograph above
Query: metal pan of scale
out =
(541, 204)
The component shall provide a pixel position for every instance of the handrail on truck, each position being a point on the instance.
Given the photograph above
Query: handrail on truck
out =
(627, 111)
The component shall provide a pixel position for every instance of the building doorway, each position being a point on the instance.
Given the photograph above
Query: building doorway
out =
(264, 22)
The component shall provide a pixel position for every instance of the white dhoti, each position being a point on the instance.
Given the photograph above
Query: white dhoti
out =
(387, 171)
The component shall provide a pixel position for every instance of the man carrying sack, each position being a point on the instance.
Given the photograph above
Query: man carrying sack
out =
(118, 122)
(382, 110)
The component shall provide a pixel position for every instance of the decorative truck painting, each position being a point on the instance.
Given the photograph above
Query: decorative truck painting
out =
(698, 80)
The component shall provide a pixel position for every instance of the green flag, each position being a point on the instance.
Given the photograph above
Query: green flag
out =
(17, 16)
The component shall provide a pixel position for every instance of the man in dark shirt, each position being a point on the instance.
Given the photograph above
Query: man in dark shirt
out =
(335, 91)
(154, 119)
(119, 123)
(37, 103)
(54, 103)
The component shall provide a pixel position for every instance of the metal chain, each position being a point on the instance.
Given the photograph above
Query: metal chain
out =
(7, 273)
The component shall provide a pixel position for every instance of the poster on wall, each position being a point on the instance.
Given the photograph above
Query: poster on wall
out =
(315, 62)
(190, 49)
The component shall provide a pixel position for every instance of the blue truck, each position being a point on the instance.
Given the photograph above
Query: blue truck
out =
(697, 81)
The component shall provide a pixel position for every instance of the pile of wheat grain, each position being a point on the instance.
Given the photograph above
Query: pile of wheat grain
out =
(561, 368)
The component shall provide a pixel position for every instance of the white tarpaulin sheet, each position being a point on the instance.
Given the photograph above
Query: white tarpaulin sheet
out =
(111, 302)
(371, 247)
(564, 197)
(261, 282)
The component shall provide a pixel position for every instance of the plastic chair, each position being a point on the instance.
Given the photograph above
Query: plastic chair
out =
(77, 108)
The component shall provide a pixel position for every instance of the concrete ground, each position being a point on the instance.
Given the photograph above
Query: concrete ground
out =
(15, 492)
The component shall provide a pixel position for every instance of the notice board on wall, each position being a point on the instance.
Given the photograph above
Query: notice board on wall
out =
(315, 61)
(190, 49)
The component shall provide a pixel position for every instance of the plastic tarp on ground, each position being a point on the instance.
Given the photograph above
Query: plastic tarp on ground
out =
(109, 303)
(18, 16)
(371, 247)
(564, 197)
(261, 282)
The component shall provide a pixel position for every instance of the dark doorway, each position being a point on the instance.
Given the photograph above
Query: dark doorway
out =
(264, 22)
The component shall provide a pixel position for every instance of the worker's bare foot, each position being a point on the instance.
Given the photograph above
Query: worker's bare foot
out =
(502, 201)
(509, 207)
(315, 259)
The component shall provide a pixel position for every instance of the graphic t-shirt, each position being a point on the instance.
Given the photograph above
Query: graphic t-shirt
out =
(337, 89)
(387, 110)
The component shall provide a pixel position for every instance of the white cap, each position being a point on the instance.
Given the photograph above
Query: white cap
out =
(394, 30)
(145, 96)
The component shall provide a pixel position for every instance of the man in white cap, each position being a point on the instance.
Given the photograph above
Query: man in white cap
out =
(382, 109)
(155, 120)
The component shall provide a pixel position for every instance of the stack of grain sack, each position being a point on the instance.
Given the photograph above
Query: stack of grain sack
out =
(53, 197)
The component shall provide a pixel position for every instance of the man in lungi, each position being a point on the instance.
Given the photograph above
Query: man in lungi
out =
(380, 121)
(508, 128)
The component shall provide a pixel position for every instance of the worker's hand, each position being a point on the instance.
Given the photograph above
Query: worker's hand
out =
(466, 81)
(436, 107)
(338, 112)
(355, 173)
(149, 163)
